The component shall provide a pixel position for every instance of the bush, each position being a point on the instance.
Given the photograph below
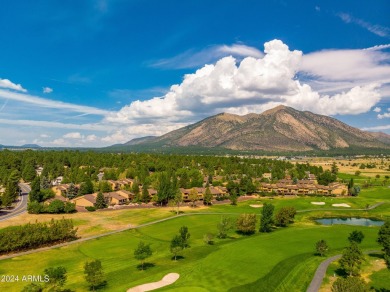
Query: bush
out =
(69, 207)
(246, 223)
(56, 207)
(90, 208)
(34, 207)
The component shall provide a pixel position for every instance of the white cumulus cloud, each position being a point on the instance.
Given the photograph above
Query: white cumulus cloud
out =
(73, 135)
(377, 109)
(6, 83)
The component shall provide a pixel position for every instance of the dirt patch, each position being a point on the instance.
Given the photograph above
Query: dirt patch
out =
(256, 206)
(167, 280)
(341, 205)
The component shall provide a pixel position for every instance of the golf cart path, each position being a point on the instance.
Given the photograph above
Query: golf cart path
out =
(321, 270)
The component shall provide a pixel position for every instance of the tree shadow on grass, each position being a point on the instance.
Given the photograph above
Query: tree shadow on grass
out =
(376, 255)
(340, 272)
(146, 266)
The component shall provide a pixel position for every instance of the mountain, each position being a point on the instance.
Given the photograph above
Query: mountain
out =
(140, 140)
(30, 146)
(380, 136)
(279, 129)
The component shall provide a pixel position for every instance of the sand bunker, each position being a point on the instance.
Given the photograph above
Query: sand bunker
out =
(341, 205)
(318, 203)
(167, 280)
(256, 206)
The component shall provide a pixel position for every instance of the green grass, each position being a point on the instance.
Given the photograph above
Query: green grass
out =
(228, 264)
(278, 261)
(380, 280)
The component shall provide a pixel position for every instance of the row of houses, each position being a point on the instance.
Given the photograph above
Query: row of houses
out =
(303, 187)
(121, 197)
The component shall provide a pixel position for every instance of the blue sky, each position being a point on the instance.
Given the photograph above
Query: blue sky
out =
(96, 73)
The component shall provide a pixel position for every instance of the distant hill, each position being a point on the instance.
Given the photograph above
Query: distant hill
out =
(140, 140)
(380, 136)
(30, 146)
(279, 129)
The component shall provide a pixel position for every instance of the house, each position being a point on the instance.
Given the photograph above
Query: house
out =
(100, 176)
(60, 190)
(39, 170)
(84, 201)
(113, 198)
(57, 181)
(267, 175)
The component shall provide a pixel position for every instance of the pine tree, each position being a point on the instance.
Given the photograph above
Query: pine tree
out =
(100, 201)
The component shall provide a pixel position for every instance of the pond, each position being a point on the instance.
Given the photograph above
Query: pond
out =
(350, 221)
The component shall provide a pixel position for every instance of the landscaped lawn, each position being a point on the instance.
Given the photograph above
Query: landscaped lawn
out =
(281, 260)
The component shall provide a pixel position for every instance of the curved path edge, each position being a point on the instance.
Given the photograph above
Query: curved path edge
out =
(321, 270)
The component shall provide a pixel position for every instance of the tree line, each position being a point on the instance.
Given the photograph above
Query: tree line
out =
(29, 236)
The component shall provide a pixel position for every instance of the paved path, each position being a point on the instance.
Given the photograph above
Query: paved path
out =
(21, 206)
(321, 271)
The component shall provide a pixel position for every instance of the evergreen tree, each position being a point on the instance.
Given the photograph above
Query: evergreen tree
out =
(266, 220)
(207, 197)
(100, 201)
(29, 172)
(35, 193)
(86, 188)
(71, 191)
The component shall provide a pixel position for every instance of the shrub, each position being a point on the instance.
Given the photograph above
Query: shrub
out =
(246, 223)
(34, 207)
(90, 208)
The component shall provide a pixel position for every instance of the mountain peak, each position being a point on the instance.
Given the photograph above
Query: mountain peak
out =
(279, 129)
(276, 109)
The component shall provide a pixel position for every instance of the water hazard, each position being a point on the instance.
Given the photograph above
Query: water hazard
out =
(350, 221)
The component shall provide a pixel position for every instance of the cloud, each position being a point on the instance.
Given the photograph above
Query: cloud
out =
(253, 85)
(378, 47)
(5, 83)
(192, 59)
(48, 103)
(377, 109)
(51, 124)
(72, 135)
(379, 30)
(377, 128)
(47, 90)
(347, 65)
(44, 136)
(384, 115)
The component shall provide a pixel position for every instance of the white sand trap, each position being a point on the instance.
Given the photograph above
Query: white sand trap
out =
(256, 206)
(167, 280)
(318, 203)
(341, 205)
